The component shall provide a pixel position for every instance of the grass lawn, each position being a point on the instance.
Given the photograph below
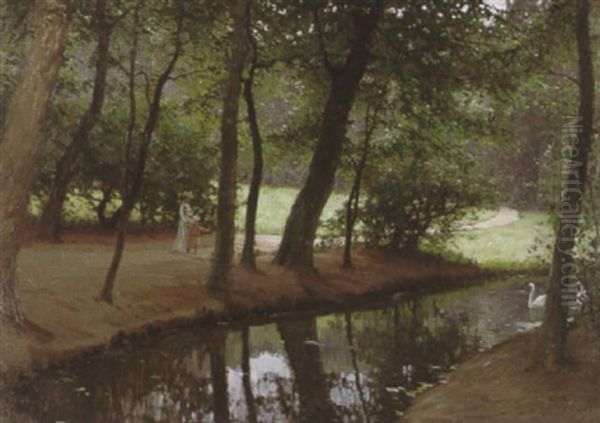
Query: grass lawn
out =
(507, 246)
(502, 247)
(274, 204)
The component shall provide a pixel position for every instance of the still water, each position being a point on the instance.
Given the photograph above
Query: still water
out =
(349, 366)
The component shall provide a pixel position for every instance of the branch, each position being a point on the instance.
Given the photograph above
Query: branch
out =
(111, 24)
(565, 75)
(320, 38)
(131, 91)
(253, 44)
(153, 114)
(185, 75)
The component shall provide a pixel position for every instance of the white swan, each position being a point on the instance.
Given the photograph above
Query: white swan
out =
(533, 302)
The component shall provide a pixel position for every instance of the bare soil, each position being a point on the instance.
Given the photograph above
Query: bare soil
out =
(58, 285)
(499, 386)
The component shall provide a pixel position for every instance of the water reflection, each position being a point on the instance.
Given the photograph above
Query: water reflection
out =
(353, 366)
(246, 372)
(304, 356)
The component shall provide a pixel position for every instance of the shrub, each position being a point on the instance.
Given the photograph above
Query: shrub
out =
(420, 197)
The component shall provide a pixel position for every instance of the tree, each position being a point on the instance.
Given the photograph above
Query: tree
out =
(67, 165)
(296, 245)
(132, 183)
(577, 140)
(23, 135)
(220, 274)
(353, 203)
(248, 257)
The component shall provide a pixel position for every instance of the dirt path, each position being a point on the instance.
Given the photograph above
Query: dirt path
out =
(269, 243)
(505, 216)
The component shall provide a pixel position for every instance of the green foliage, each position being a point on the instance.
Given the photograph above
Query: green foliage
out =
(183, 159)
(425, 181)
(418, 199)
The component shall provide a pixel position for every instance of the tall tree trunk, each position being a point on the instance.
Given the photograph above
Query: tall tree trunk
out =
(22, 138)
(552, 342)
(354, 197)
(66, 167)
(301, 226)
(248, 258)
(220, 274)
(133, 183)
(106, 293)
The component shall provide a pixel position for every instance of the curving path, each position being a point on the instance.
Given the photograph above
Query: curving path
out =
(270, 243)
(505, 216)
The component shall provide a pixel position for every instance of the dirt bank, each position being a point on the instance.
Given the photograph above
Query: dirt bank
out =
(496, 386)
(58, 283)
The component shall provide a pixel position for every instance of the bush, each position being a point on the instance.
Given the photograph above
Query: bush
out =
(417, 198)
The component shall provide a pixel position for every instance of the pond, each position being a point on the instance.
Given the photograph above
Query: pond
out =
(348, 366)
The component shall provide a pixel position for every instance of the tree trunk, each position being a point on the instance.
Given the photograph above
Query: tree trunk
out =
(301, 226)
(248, 257)
(66, 167)
(351, 214)
(133, 184)
(577, 140)
(107, 222)
(22, 138)
(220, 274)
(354, 197)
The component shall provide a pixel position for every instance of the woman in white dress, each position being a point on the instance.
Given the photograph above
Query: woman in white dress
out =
(186, 218)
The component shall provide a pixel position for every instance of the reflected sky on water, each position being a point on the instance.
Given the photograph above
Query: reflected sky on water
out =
(348, 366)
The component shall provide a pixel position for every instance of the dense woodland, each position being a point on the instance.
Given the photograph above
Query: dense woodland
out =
(417, 111)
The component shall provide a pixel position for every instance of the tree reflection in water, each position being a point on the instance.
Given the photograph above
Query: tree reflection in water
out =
(354, 366)
(218, 374)
(302, 347)
(248, 394)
